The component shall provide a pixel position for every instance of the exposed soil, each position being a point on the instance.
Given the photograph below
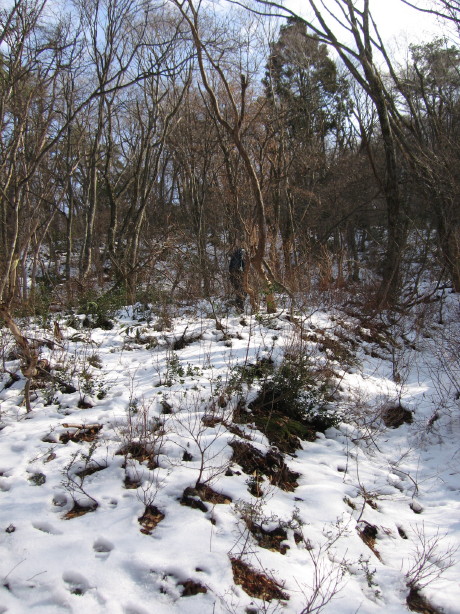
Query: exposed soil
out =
(66, 388)
(130, 483)
(369, 534)
(90, 470)
(192, 588)
(195, 497)
(211, 496)
(417, 603)
(182, 342)
(83, 433)
(38, 479)
(191, 498)
(82, 404)
(255, 485)
(211, 421)
(341, 347)
(271, 540)
(13, 378)
(371, 331)
(298, 538)
(271, 465)
(150, 519)
(79, 510)
(235, 430)
(282, 431)
(396, 416)
(138, 452)
(256, 584)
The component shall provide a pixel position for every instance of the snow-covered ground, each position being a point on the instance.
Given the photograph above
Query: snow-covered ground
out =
(373, 509)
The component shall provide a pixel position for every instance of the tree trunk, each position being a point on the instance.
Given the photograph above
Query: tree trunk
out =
(449, 241)
(29, 355)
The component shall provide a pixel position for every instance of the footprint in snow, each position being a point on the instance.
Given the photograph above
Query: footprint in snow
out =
(76, 583)
(133, 609)
(59, 500)
(4, 485)
(111, 501)
(46, 527)
(102, 547)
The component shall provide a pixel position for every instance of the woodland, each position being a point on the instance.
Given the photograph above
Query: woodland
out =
(229, 308)
(142, 142)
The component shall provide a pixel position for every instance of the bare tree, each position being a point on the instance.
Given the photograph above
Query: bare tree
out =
(113, 31)
(231, 115)
(445, 9)
(29, 90)
(361, 58)
(430, 90)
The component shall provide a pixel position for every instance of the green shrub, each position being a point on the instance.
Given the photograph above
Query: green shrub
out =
(99, 310)
(249, 374)
(294, 388)
(293, 401)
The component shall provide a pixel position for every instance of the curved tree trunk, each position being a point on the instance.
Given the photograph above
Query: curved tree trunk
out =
(234, 131)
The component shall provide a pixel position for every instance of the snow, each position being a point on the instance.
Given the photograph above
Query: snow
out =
(403, 481)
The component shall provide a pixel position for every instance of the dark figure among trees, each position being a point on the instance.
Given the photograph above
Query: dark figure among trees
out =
(236, 269)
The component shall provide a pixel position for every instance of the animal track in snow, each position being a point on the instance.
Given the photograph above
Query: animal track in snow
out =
(102, 547)
(76, 583)
(4, 485)
(132, 609)
(59, 500)
(46, 527)
(111, 501)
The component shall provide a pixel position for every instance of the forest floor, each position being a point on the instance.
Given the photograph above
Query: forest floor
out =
(149, 476)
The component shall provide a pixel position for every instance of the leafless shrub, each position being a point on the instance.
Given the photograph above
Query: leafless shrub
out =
(244, 554)
(142, 440)
(363, 414)
(203, 428)
(80, 465)
(326, 581)
(446, 372)
(251, 513)
(328, 571)
(431, 558)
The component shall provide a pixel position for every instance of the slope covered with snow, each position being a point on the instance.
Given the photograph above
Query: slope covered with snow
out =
(149, 477)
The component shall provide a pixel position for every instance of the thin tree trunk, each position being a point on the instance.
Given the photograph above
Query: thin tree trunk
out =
(449, 240)
(29, 355)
